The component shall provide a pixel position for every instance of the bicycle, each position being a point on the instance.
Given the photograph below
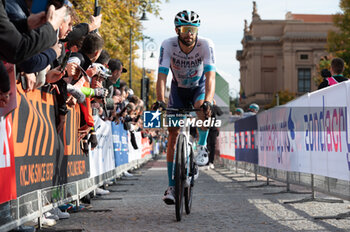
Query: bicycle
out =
(184, 168)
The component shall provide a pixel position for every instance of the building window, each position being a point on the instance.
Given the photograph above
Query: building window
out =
(304, 56)
(304, 80)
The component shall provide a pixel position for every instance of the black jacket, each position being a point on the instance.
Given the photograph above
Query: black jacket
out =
(17, 46)
(338, 78)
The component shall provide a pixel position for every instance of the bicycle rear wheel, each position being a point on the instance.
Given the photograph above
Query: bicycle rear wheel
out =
(179, 176)
(189, 189)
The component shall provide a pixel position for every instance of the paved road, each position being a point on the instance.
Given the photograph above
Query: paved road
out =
(223, 201)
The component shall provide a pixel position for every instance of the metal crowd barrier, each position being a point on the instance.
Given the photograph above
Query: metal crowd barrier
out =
(32, 205)
(327, 185)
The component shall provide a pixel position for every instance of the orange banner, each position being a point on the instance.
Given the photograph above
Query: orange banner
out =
(44, 157)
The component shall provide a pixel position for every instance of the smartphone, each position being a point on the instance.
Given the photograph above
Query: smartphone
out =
(38, 6)
(97, 11)
(65, 60)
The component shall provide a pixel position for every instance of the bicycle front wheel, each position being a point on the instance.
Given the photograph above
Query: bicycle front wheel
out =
(179, 176)
(189, 189)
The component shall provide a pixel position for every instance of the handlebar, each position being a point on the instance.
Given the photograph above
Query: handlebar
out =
(182, 110)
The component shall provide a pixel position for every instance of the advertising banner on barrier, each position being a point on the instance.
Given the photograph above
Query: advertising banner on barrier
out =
(102, 157)
(135, 154)
(226, 138)
(227, 144)
(309, 134)
(43, 157)
(7, 161)
(146, 147)
(245, 142)
(280, 137)
(120, 144)
(326, 134)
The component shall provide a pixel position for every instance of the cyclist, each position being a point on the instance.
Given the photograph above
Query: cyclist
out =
(252, 110)
(192, 62)
(239, 112)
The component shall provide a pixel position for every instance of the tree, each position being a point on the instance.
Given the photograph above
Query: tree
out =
(119, 18)
(284, 97)
(339, 41)
(325, 63)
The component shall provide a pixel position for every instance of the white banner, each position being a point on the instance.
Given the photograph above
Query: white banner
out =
(227, 144)
(135, 154)
(309, 134)
(102, 157)
(226, 138)
(327, 131)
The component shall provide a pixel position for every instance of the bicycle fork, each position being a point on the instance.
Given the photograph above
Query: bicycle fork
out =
(189, 181)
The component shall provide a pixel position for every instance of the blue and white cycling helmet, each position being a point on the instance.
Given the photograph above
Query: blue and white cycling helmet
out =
(187, 18)
(239, 111)
(254, 107)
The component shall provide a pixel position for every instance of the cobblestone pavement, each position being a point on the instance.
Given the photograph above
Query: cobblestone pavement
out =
(223, 201)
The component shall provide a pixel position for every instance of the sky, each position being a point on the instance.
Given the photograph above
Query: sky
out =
(223, 21)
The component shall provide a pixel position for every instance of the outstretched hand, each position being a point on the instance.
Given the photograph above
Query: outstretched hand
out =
(56, 17)
(83, 131)
(95, 22)
(54, 75)
(36, 20)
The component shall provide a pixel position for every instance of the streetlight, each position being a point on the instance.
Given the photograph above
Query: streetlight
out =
(144, 5)
(152, 47)
(130, 60)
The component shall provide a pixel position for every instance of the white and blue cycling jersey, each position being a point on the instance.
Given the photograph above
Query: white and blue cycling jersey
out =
(188, 69)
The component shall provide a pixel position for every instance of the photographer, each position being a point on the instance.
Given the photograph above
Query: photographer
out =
(89, 52)
(117, 68)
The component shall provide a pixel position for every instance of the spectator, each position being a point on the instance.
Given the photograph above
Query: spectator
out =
(103, 58)
(116, 67)
(337, 69)
(90, 51)
(83, 29)
(212, 136)
(75, 45)
(5, 86)
(19, 10)
(61, 84)
(102, 73)
(17, 46)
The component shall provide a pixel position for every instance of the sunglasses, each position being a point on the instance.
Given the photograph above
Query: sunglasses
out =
(188, 29)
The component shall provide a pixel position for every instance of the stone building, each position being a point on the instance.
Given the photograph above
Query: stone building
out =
(281, 55)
